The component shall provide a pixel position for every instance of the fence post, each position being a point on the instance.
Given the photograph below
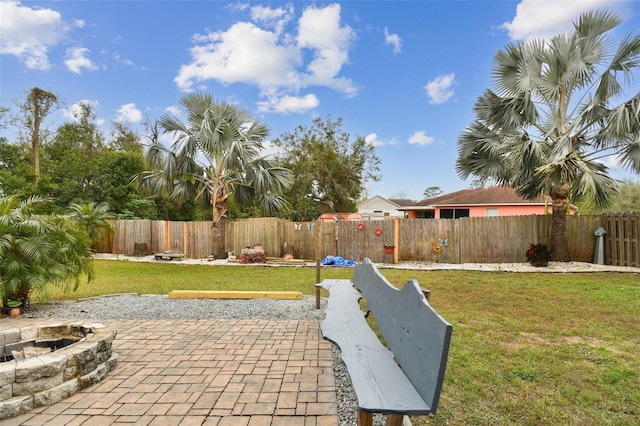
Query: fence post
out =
(396, 240)
(317, 250)
(167, 235)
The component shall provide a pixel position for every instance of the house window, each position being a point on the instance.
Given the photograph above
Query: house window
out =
(491, 212)
(453, 213)
(426, 214)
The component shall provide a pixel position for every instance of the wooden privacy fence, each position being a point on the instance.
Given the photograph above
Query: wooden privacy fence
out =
(465, 240)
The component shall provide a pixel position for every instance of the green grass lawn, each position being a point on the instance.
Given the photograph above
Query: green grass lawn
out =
(528, 349)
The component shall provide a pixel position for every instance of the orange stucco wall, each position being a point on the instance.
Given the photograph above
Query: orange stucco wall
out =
(481, 211)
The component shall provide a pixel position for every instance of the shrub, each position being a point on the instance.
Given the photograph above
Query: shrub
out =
(538, 255)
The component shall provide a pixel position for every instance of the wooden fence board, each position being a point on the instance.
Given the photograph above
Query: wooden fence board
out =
(470, 240)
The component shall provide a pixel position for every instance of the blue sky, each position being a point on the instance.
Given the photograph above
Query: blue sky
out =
(403, 74)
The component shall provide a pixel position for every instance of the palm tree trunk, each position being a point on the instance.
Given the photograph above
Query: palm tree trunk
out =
(219, 228)
(559, 237)
(218, 239)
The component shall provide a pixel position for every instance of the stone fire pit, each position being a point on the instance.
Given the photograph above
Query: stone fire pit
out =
(46, 364)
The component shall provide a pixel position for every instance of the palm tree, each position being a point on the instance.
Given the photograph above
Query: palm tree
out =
(94, 219)
(215, 154)
(37, 250)
(555, 114)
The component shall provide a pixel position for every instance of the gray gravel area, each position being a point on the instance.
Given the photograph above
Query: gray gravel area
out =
(158, 307)
(152, 307)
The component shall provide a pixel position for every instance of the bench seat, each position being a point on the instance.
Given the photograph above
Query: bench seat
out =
(404, 375)
(378, 381)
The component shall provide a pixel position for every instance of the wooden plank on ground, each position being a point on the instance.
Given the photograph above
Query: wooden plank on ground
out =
(221, 294)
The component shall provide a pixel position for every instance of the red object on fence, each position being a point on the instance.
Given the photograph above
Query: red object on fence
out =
(378, 231)
(361, 226)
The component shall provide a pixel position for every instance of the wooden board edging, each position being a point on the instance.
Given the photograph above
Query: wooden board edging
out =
(212, 294)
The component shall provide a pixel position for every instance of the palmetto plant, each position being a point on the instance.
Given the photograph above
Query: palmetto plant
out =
(93, 218)
(557, 110)
(39, 250)
(215, 153)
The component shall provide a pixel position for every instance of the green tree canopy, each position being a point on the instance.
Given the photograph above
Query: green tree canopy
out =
(554, 113)
(331, 167)
(16, 172)
(626, 199)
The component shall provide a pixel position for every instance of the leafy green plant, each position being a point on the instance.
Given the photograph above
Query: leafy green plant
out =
(37, 251)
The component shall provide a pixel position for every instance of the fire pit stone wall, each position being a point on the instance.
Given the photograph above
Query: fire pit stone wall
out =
(45, 379)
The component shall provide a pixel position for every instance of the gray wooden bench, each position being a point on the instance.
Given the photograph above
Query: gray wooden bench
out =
(405, 379)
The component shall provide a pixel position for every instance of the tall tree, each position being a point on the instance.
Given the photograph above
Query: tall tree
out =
(71, 156)
(432, 191)
(123, 139)
(36, 107)
(16, 172)
(216, 153)
(554, 113)
(331, 168)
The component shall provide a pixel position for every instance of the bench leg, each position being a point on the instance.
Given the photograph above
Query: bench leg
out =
(395, 419)
(365, 418)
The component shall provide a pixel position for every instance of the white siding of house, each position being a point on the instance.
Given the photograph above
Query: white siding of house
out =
(379, 208)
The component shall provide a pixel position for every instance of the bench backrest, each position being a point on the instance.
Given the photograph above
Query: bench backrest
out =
(418, 337)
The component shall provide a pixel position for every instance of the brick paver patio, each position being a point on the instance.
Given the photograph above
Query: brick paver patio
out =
(206, 372)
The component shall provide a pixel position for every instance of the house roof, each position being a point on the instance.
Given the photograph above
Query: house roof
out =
(401, 201)
(468, 197)
(397, 202)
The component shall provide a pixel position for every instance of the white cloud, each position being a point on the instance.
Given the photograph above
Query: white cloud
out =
(173, 110)
(116, 56)
(420, 137)
(393, 40)
(79, 23)
(242, 54)
(273, 18)
(319, 29)
(76, 60)
(263, 54)
(29, 33)
(288, 104)
(439, 90)
(129, 113)
(537, 19)
(269, 150)
(372, 139)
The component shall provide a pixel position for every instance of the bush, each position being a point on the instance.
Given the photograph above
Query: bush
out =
(538, 255)
(258, 257)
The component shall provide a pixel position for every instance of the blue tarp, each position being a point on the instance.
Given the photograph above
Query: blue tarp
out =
(337, 261)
